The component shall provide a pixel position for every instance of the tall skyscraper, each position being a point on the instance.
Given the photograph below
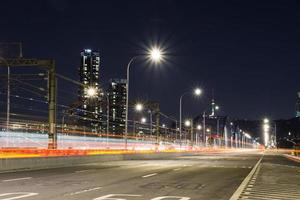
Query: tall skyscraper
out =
(117, 105)
(298, 105)
(89, 94)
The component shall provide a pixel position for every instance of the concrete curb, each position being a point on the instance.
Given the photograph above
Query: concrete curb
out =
(19, 164)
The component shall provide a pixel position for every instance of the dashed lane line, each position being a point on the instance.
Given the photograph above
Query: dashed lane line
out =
(84, 191)
(17, 179)
(177, 169)
(149, 175)
(82, 171)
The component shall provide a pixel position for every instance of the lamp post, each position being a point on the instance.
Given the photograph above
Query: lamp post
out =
(266, 128)
(188, 123)
(197, 92)
(199, 128)
(107, 117)
(155, 54)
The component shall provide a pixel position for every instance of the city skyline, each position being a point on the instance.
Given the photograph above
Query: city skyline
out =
(149, 100)
(209, 54)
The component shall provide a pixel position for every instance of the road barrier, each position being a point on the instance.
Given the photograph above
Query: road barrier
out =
(45, 158)
(11, 164)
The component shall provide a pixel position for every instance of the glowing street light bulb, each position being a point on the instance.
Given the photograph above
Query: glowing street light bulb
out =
(163, 125)
(199, 127)
(266, 127)
(143, 120)
(217, 107)
(208, 130)
(155, 54)
(197, 91)
(139, 107)
(91, 91)
(266, 120)
(187, 123)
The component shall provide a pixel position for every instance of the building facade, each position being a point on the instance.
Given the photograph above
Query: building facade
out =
(298, 105)
(117, 106)
(90, 105)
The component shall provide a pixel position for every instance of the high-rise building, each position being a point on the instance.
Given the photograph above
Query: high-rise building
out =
(90, 104)
(298, 105)
(117, 105)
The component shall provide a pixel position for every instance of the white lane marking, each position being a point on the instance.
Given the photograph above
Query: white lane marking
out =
(171, 197)
(17, 179)
(86, 190)
(243, 185)
(112, 196)
(177, 169)
(81, 171)
(20, 195)
(149, 175)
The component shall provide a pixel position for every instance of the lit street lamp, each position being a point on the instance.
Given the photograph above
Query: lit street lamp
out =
(139, 107)
(91, 92)
(143, 120)
(154, 54)
(197, 92)
(266, 128)
(199, 127)
(187, 123)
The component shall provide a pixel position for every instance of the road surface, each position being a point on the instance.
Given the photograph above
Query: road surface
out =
(195, 177)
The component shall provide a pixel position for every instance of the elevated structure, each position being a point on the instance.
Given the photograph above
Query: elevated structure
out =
(50, 66)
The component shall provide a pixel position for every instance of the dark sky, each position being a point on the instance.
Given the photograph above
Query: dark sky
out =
(247, 51)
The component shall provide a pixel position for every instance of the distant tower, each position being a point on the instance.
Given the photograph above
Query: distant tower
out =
(213, 105)
(91, 110)
(298, 105)
(117, 105)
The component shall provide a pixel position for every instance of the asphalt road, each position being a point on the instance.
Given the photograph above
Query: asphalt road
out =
(203, 176)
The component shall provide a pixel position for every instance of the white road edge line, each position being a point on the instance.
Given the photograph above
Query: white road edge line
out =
(149, 175)
(17, 179)
(243, 185)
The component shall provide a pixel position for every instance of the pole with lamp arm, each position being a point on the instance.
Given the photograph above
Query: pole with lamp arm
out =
(197, 92)
(155, 54)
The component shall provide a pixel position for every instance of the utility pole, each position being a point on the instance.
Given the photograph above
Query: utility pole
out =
(8, 100)
(204, 130)
(50, 66)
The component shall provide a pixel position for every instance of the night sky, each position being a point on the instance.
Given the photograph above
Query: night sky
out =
(246, 51)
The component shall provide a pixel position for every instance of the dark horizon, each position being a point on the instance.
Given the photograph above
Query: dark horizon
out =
(245, 51)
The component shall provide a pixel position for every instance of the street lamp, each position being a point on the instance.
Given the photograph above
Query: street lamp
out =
(143, 120)
(266, 128)
(266, 120)
(199, 127)
(139, 107)
(187, 123)
(154, 54)
(91, 92)
(197, 92)
(217, 107)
